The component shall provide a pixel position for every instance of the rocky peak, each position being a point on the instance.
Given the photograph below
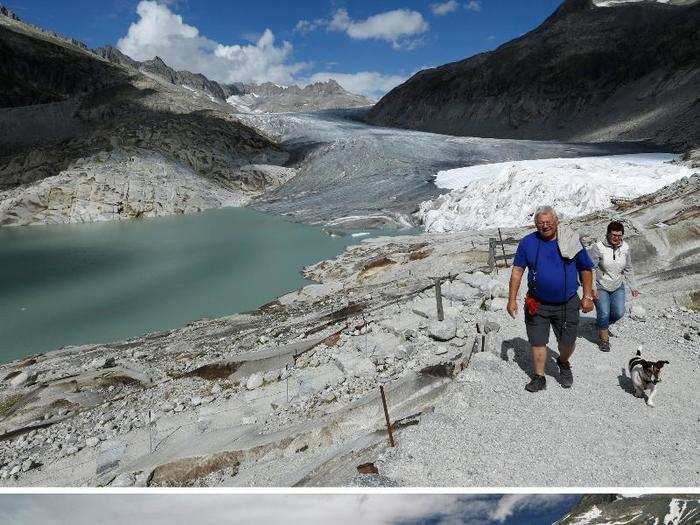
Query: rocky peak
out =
(329, 87)
(4, 11)
(112, 54)
(160, 68)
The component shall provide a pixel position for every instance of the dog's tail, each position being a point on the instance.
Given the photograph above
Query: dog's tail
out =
(639, 350)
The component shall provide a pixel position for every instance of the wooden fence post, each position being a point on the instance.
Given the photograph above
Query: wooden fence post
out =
(438, 300)
(503, 248)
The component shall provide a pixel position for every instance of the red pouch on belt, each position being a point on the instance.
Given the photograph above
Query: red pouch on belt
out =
(531, 304)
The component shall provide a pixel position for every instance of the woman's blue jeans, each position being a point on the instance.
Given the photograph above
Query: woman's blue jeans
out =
(609, 307)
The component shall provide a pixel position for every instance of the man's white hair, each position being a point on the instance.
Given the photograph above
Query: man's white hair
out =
(545, 209)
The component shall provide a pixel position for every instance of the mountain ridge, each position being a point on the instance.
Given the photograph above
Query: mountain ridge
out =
(586, 73)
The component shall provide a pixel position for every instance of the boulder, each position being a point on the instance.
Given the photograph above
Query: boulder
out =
(355, 365)
(254, 381)
(271, 376)
(638, 313)
(497, 304)
(443, 330)
(29, 464)
(102, 362)
(123, 480)
(24, 378)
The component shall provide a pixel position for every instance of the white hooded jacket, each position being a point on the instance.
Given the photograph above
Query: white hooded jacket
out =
(612, 265)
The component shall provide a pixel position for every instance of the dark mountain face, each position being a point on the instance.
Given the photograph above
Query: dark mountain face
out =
(629, 71)
(667, 509)
(36, 71)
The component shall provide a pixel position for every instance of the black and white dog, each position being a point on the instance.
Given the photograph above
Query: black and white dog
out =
(645, 376)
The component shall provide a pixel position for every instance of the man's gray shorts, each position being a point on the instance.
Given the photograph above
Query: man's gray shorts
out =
(563, 319)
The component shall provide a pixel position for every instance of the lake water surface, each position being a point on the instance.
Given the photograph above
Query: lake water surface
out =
(100, 282)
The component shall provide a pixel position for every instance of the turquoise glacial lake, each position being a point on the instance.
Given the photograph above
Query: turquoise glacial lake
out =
(89, 283)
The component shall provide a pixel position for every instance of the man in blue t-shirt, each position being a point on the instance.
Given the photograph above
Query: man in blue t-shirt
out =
(552, 299)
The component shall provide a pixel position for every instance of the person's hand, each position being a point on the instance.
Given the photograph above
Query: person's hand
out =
(636, 293)
(512, 307)
(586, 305)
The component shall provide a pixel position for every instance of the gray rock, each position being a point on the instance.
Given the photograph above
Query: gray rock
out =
(491, 326)
(92, 441)
(123, 480)
(103, 362)
(638, 313)
(24, 378)
(271, 376)
(497, 304)
(355, 365)
(254, 381)
(29, 464)
(328, 396)
(443, 330)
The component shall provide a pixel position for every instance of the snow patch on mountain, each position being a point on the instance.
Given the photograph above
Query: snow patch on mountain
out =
(675, 512)
(589, 516)
(507, 193)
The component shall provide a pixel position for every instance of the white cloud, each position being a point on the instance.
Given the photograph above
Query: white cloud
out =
(473, 5)
(160, 32)
(511, 503)
(397, 27)
(267, 509)
(371, 84)
(442, 9)
(216, 509)
(306, 26)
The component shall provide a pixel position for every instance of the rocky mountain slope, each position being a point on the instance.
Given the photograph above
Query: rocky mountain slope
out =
(593, 71)
(156, 66)
(270, 97)
(84, 139)
(246, 97)
(666, 509)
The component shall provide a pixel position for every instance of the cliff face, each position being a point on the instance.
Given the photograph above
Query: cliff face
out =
(37, 69)
(626, 71)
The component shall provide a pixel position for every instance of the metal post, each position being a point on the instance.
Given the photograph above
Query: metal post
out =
(386, 416)
(438, 300)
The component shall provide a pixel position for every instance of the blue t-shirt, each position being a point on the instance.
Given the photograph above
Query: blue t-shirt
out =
(550, 277)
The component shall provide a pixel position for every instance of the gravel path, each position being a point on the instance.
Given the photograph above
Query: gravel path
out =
(488, 431)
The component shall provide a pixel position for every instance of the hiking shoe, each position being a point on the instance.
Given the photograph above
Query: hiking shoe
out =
(604, 346)
(536, 384)
(566, 377)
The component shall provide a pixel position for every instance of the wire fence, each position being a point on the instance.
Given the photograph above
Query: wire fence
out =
(156, 436)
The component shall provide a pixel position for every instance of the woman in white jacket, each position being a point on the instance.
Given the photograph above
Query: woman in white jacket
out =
(613, 265)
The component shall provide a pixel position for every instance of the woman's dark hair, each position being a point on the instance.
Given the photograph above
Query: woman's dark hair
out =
(616, 226)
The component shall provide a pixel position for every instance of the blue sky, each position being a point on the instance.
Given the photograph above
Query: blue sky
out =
(367, 46)
(211, 509)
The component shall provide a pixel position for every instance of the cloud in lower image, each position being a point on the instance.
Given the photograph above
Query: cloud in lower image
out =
(208, 509)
